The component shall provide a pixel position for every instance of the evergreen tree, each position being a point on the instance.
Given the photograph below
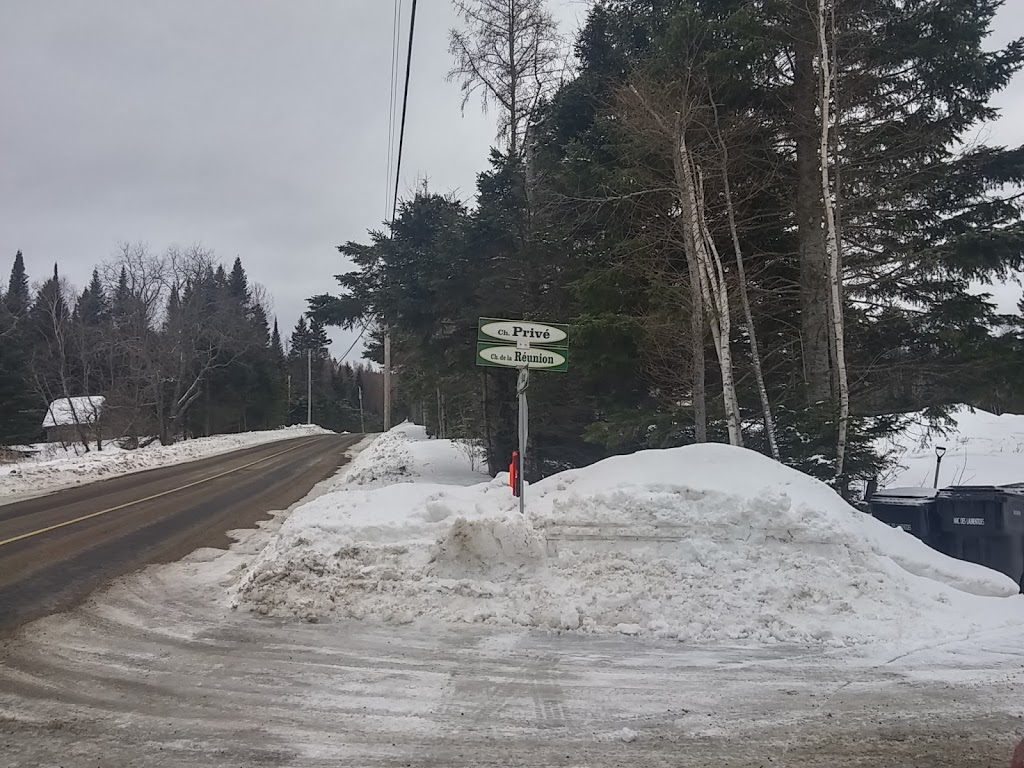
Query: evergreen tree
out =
(93, 307)
(122, 294)
(22, 414)
(586, 226)
(276, 346)
(17, 299)
(50, 309)
(238, 283)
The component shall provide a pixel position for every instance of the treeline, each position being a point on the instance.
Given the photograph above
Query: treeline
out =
(175, 344)
(762, 222)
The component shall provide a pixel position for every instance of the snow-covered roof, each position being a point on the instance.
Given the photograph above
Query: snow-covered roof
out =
(73, 410)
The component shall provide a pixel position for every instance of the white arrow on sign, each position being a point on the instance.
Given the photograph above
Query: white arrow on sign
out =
(511, 331)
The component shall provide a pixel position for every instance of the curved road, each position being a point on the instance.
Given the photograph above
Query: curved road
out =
(56, 549)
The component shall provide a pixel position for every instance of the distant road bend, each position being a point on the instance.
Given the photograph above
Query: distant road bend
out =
(56, 549)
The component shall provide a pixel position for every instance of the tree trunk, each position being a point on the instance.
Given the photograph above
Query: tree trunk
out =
(814, 268)
(698, 386)
(835, 272)
(711, 279)
(748, 315)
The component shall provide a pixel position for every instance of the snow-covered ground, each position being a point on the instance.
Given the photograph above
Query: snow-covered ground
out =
(173, 672)
(701, 544)
(54, 467)
(981, 449)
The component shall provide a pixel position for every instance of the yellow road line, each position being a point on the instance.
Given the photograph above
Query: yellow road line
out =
(148, 498)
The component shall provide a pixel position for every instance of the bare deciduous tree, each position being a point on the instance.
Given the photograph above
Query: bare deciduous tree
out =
(509, 52)
(60, 362)
(708, 286)
(169, 333)
(743, 288)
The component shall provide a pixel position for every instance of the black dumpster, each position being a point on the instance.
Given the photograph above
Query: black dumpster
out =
(986, 526)
(912, 509)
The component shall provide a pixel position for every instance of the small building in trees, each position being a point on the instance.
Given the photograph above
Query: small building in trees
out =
(70, 419)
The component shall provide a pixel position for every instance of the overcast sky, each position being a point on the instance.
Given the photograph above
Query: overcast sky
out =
(258, 128)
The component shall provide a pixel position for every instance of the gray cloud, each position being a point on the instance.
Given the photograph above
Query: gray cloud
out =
(257, 128)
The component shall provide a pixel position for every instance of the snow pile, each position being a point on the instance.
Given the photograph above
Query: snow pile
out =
(703, 543)
(405, 455)
(55, 467)
(982, 449)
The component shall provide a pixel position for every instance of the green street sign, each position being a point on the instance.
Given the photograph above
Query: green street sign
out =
(532, 358)
(518, 332)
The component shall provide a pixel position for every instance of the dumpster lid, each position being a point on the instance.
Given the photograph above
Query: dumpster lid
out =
(906, 493)
(984, 490)
(904, 497)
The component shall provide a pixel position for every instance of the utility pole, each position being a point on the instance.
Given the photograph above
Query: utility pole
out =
(394, 210)
(362, 419)
(387, 379)
(288, 416)
(309, 386)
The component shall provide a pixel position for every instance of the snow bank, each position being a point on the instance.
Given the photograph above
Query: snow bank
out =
(703, 543)
(982, 449)
(56, 467)
(405, 455)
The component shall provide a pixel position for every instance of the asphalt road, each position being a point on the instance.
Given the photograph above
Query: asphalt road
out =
(56, 549)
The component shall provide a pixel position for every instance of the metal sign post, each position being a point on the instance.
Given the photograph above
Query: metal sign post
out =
(524, 433)
(525, 346)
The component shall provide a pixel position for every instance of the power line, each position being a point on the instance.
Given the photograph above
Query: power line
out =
(405, 104)
(392, 102)
(394, 211)
(353, 344)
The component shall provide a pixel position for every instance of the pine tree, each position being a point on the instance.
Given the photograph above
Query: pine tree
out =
(22, 412)
(92, 306)
(299, 342)
(238, 283)
(917, 221)
(50, 309)
(275, 344)
(317, 340)
(17, 298)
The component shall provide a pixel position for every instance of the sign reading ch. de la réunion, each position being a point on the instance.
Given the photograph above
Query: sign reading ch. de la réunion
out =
(522, 344)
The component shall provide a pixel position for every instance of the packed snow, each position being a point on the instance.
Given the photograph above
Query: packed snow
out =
(981, 449)
(53, 466)
(702, 544)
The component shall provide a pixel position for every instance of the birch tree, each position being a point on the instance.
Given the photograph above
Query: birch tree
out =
(743, 288)
(835, 279)
(711, 278)
(708, 287)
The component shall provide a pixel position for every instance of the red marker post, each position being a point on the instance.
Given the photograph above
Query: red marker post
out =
(513, 474)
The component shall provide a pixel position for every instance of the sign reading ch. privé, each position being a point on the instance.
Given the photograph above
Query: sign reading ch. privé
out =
(522, 344)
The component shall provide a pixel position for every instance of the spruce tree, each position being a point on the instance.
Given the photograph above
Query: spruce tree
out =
(22, 412)
(93, 307)
(17, 299)
(238, 283)
(275, 344)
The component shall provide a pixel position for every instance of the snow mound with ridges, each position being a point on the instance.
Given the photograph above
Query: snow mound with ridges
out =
(702, 543)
